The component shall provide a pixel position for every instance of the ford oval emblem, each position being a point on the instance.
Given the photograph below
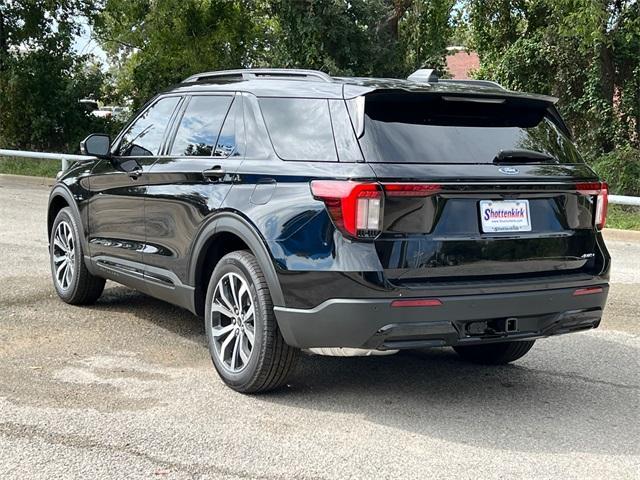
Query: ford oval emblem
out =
(509, 170)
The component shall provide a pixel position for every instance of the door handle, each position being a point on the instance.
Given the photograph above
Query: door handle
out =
(216, 172)
(135, 173)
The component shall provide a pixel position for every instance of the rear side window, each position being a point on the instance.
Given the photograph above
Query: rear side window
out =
(200, 125)
(300, 128)
(402, 128)
(144, 136)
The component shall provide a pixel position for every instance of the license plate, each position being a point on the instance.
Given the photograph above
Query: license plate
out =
(505, 216)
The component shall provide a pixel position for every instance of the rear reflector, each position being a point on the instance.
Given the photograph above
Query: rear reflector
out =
(427, 302)
(587, 291)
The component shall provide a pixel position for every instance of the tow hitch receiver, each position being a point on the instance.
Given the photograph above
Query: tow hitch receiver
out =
(492, 327)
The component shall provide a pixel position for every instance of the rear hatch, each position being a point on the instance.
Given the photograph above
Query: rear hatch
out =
(478, 187)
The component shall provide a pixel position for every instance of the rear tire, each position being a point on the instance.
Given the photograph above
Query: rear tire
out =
(71, 279)
(495, 353)
(245, 343)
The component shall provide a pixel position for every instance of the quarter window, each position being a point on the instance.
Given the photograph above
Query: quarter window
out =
(229, 142)
(200, 126)
(144, 136)
(300, 128)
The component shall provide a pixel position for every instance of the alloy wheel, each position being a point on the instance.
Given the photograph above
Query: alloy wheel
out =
(233, 322)
(63, 255)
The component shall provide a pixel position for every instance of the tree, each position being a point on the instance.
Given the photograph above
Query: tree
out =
(426, 29)
(358, 37)
(157, 44)
(587, 53)
(41, 79)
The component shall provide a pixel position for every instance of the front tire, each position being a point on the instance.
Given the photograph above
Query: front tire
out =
(495, 353)
(71, 279)
(245, 343)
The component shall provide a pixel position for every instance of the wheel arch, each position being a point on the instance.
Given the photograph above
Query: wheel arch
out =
(59, 198)
(228, 232)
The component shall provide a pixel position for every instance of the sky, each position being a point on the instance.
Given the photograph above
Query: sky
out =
(85, 44)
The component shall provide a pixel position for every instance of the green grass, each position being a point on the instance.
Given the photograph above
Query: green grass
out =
(29, 166)
(624, 217)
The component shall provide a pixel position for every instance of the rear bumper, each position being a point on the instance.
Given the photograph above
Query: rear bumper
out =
(459, 320)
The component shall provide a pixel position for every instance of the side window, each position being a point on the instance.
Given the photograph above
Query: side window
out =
(200, 125)
(300, 128)
(231, 140)
(144, 136)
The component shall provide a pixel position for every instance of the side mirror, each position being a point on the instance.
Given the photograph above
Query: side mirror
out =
(96, 145)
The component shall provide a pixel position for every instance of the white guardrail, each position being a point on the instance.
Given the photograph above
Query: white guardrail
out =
(624, 200)
(67, 159)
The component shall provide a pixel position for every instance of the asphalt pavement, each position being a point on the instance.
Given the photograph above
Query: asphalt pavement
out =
(126, 389)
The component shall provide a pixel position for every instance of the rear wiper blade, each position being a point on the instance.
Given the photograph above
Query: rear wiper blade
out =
(523, 155)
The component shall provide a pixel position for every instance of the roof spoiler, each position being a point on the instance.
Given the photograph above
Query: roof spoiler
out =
(431, 75)
(424, 75)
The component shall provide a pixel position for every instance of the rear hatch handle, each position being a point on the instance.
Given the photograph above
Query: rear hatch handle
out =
(523, 155)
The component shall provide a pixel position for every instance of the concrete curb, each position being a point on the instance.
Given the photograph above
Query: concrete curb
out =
(616, 234)
(6, 178)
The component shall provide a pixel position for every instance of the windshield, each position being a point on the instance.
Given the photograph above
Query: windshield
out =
(423, 128)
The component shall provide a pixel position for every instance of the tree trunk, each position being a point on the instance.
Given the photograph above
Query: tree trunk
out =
(3, 43)
(607, 89)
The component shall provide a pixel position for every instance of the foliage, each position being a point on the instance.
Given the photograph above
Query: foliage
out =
(157, 44)
(621, 169)
(425, 32)
(41, 80)
(586, 53)
(341, 38)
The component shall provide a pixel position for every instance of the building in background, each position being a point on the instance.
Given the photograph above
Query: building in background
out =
(461, 62)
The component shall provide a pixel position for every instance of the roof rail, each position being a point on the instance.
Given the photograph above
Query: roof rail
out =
(481, 83)
(253, 73)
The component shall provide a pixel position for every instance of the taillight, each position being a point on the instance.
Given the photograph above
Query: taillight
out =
(411, 189)
(355, 207)
(601, 190)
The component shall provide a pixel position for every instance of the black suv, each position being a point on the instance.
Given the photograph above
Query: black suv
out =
(294, 210)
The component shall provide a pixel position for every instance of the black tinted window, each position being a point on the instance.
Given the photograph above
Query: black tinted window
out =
(300, 128)
(144, 136)
(436, 129)
(200, 126)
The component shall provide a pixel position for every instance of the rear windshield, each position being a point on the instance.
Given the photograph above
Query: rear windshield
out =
(403, 128)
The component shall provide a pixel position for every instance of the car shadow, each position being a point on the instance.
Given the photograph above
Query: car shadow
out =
(174, 319)
(534, 405)
(573, 393)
